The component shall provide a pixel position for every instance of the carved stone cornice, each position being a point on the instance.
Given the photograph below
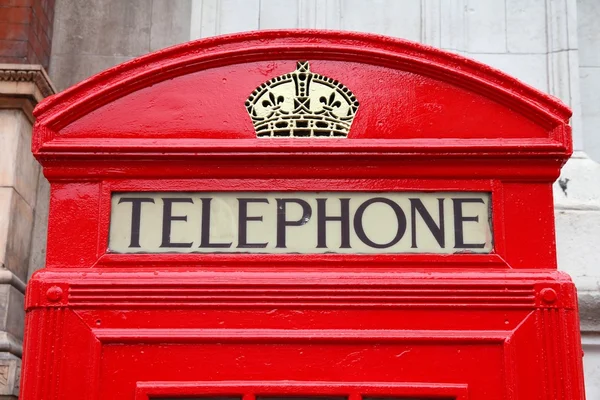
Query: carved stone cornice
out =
(22, 86)
(26, 73)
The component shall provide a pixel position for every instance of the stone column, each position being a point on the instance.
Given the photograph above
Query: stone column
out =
(22, 86)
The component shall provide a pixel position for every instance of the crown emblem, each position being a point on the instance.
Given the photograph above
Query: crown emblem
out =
(302, 104)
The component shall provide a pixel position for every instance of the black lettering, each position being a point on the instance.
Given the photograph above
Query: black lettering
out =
(243, 223)
(358, 223)
(205, 227)
(344, 220)
(136, 216)
(416, 205)
(282, 222)
(168, 218)
(459, 219)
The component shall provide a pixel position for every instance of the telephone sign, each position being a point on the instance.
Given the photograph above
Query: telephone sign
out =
(287, 215)
(300, 222)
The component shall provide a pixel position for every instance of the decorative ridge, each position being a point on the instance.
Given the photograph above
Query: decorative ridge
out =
(414, 295)
(28, 73)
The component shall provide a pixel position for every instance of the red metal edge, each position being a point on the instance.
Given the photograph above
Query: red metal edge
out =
(147, 390)
(50, 287)
(49, 142)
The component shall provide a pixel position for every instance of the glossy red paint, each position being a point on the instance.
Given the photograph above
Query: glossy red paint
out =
(463, 326)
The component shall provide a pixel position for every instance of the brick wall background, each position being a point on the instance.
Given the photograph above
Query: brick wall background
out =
(26, 31)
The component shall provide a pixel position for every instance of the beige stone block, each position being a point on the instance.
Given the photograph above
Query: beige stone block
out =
(237, 15)
(16, 222)
(5, 208)
(68, 69)
(387, 17)
(10, 376)
(591, 364)
(577, 233)
(485, 28)
(102, 27)
(431, 16)
(589, 318)
(578, 188)
(37, 256)
(9, 143)
(526, 26)
(590, 107)
(561, 24)
(530, 68)
(453, 25)
(279, 14)
(12, 313)
(18, 167)
(588, 15)
(170, 23)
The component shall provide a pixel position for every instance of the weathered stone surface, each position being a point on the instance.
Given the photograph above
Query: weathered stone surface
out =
(486, 26)
(10, 375)
(589, 312)
(526, 26)
(16, 222)
(577, 233)
(591, 364)
(107, 27)
(562, 32)
(37, 257)
(69, 69)
(93, 35)
(18, 168)
(530, 68)
(588, 15)
(590, 108)
(388, 17)
(12, 316)
(578, 188)
(170, 23)
(280, 14)
(238, 15)
(9, 142)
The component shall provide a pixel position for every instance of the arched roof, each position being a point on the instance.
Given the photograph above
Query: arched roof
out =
(196, 91)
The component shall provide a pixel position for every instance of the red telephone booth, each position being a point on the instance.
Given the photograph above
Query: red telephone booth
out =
(301, 214)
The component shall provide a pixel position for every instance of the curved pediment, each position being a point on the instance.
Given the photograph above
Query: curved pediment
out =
(196, 93)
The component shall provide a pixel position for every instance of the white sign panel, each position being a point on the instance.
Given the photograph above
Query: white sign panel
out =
(301, 222)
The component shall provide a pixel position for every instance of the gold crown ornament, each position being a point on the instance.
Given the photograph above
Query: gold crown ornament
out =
(302, 104)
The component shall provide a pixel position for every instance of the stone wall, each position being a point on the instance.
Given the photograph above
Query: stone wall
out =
(589, 73)
(93, 35)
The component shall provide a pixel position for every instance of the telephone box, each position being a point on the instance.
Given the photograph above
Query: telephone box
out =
(301, 215)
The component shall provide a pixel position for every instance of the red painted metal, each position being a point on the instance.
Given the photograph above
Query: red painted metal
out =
(141, 326)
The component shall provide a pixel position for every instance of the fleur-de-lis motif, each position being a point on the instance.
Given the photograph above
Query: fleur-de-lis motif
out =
(272, 101)
(331, 102)
(302, 104)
